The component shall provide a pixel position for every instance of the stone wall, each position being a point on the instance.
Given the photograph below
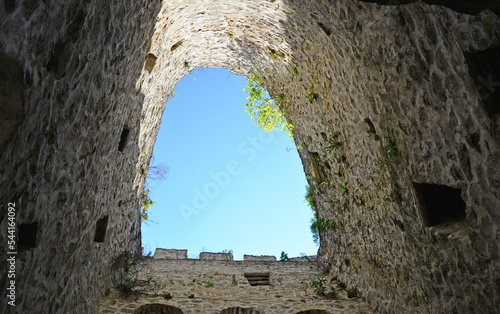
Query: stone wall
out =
(77, 64)
(217, 286)
(395, 109)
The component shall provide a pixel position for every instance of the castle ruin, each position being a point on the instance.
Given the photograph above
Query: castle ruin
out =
(395, 103)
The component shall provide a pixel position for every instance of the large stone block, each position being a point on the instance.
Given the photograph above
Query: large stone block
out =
(216, 256)
(260, 258)
(170, 254)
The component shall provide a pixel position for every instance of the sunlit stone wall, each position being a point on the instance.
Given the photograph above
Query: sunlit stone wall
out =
(207, 285)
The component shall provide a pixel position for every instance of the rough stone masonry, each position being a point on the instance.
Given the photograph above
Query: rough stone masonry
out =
(169, 282)
(395, 106)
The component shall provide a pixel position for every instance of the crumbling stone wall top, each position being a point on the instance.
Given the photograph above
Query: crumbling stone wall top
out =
(170, 254)
(268, 258)
(212, 286)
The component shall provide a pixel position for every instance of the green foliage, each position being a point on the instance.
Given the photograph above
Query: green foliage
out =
(172, 94)
(209, 284)
(317, 225)
(321, 224)
(320, 160)
(333, 144)
(315, 229)
(319, 286)
(275, 54)
(263, 109)
(314, 221)
(284, 257)
(394, 196)
(280, 279)
(294, 71)
(325, 224)
(146, 203)
(343, 188)
(324, 180)
(129, 281)
(234, 282)
(346, 163)
(390, 149)
(167, 296)
(309, 197)
(228, 251)
(126, 286)
(157, 172)
(312, 97)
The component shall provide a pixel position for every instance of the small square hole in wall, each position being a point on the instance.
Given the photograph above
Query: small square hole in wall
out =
(100, 229)
(150, 62)
(257, 279)
(27, 236)
(484, 68)
(10, 5)
(123, 139)
(439, 203)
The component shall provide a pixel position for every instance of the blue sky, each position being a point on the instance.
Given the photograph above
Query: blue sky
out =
(230, 186)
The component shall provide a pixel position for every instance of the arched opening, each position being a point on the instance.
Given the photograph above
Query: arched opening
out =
(240, 310)
(230, 186)
(157, 309)
(263, 54)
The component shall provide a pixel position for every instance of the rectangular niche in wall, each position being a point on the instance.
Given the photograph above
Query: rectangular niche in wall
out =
(484, 67)
(27, 236)
(13, 82)
(100, 229)
(439, 203)
(123, 138)
(319, 171)
(257, 279)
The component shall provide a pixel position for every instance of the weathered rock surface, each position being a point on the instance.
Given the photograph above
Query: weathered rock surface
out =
(211, 286)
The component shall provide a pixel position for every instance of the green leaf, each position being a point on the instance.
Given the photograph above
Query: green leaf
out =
(263, 109)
